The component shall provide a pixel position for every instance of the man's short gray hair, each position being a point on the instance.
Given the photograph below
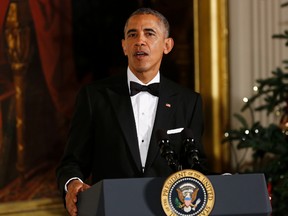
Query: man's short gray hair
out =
(160, 16)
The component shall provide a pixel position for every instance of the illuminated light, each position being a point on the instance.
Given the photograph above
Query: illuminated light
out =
(255, 88)
(246, 131)
(245, 99)
(226, 134)
(256, 131)
(277, 113)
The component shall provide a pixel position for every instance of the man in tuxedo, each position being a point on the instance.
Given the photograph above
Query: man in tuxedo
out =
(112, 133)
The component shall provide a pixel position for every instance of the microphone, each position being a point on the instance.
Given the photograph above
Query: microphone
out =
(190, 149)
(166, 150)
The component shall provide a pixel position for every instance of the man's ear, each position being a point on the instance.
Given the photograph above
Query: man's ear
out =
(124, 46)
(169, 43)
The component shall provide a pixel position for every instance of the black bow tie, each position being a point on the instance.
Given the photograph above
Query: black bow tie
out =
(153, 88)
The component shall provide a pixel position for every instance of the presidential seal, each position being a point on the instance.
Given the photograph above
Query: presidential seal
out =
(187, 193)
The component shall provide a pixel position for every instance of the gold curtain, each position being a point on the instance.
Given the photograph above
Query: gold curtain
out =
(211, 76)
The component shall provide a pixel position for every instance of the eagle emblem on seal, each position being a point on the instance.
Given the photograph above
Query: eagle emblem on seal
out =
(187, 197)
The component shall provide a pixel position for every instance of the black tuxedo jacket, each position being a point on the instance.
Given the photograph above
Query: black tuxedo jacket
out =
(102, 140)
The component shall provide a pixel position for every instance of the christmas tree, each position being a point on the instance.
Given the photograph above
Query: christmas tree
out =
(269, 143)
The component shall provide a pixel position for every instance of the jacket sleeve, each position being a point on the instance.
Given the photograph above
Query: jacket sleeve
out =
(76, 160)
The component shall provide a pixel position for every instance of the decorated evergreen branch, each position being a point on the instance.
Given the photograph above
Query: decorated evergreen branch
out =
(274, 90)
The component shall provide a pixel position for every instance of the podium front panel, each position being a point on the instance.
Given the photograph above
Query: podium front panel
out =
(240, 194)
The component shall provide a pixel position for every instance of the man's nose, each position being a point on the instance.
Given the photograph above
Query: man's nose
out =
(140, 41)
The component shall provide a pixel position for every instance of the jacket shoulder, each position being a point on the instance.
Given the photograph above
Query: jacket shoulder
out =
(177, 88)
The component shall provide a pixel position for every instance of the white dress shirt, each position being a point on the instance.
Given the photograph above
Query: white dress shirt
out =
(144, 107)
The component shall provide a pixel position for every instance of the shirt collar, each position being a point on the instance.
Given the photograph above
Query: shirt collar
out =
(132, 77)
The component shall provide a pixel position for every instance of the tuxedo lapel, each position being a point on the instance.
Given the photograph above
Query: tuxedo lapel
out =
(118, 94)
(120, 100)
(165, 110)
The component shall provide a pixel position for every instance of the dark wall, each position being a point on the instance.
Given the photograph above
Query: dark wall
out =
(98, 30)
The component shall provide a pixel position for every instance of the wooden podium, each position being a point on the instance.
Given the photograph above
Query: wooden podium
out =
(240, 194)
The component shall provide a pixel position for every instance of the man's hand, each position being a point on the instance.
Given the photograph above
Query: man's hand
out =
(73, 188)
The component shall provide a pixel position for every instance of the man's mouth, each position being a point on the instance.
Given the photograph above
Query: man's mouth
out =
(140, 54)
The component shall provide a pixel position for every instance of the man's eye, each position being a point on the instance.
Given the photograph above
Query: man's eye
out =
(150, 34)
(131, 35)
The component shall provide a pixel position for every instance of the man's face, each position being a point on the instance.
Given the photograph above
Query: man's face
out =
(145, 43)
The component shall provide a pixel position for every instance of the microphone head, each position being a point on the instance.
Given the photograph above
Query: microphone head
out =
(161, 134)
(187, 133)
(166, 150)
